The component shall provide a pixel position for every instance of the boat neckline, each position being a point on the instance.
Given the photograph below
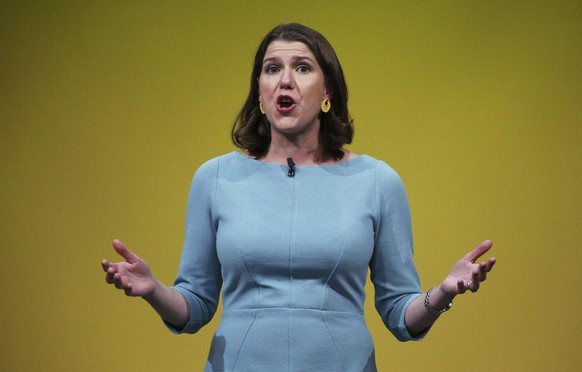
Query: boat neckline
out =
(355, 160)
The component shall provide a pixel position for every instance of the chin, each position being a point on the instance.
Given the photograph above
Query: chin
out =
(292, 127)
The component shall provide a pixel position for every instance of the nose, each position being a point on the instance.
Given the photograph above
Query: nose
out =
(287, 81)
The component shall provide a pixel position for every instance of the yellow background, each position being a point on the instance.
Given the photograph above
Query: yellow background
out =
(108, 107)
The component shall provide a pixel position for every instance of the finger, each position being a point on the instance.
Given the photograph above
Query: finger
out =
(104, 265)
(475, 282)
(109, 278)
(479, 251)
(109, 274)
(490, 263)
(461, 286)
(124, 252)
(119, 282)
(116, 280)
(483, 271)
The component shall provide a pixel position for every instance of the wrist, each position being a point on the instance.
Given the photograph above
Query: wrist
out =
(154, 292)
(444, 294)
(437, 301)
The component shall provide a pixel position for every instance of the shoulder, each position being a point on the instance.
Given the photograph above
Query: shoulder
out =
(213, 166)
(387, 181)
(206, 177)
(383, 171)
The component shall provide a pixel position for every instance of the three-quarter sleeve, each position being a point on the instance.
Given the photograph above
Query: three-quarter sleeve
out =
(393, 272)
(199, 277)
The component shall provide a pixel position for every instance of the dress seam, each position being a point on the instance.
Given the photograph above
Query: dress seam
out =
(226, 312)
(333, 339)
(376, 204)
(257, 306)
(291, 245)
(244, 339)
(292, 240)
(329, 278)
(214, 196)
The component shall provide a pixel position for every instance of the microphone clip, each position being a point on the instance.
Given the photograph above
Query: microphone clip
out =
(291, 164)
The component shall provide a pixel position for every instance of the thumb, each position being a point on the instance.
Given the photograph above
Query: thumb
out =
(124, 252)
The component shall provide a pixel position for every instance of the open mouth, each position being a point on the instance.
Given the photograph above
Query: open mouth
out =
(285, 103)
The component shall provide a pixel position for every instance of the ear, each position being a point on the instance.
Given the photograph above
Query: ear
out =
(327, 93)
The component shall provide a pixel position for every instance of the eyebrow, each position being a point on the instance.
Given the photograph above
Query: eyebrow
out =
(294, 59)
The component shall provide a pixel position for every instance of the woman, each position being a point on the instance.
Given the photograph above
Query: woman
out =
(290, 227)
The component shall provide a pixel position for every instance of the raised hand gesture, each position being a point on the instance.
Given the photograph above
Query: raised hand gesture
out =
(466, 274)
(132, 275)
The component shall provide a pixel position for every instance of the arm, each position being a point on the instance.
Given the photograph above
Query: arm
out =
(399, 300)
(192, 301)
(136, 279)
(392, 268)
(465, 275)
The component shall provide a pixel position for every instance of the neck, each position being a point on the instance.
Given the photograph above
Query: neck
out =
(305, 150)
(300, 156)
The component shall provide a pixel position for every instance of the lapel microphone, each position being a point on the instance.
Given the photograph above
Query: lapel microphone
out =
(291, 164)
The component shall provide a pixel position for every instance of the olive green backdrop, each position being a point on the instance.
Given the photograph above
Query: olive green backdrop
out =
(108, 107)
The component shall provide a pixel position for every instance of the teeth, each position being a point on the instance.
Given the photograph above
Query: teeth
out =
(286, 102)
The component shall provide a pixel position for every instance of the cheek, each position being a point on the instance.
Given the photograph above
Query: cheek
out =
(315, 93)
(265, 86)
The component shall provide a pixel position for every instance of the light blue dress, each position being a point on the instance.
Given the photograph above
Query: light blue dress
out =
(292, 256)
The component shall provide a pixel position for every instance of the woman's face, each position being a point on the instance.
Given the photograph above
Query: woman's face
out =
(291, 88)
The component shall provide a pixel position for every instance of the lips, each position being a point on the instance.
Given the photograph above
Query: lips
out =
(285, 103)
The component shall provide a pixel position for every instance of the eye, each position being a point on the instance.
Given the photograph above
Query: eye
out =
(271, 69)
(303, 69)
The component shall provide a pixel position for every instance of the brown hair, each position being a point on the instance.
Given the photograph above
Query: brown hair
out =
(251, 130)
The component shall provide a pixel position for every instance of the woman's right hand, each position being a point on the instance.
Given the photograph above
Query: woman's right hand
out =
(132, 275)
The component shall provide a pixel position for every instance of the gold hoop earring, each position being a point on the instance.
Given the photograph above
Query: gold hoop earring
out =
(261, 107)
(325, 105)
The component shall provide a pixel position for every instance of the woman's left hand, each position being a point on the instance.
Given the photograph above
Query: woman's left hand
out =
(466, 274)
